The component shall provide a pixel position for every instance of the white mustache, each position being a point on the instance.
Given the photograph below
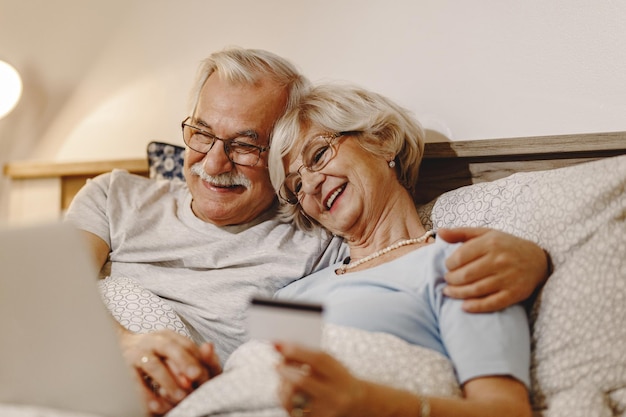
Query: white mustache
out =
(227, 179)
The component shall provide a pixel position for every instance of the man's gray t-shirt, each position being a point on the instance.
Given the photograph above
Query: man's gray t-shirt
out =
(207, 273)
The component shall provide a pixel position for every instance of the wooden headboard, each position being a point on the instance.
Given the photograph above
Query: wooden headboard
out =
(447, 165)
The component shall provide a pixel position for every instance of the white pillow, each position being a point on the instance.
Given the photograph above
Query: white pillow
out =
(578, 214)
(138, 309)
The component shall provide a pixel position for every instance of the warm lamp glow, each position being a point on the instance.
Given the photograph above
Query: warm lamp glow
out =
(10, 88)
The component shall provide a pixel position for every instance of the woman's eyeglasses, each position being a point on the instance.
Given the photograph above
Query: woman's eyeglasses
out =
(316, 154)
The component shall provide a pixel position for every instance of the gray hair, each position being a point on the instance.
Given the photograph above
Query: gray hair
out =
(249, 66)
(385, 129)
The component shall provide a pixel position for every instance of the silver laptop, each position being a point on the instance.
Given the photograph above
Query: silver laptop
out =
(58, 347)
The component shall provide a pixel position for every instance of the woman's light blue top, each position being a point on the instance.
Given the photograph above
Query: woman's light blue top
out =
(404, 298)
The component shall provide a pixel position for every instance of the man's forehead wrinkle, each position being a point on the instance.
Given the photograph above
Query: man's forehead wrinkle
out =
(254, 81)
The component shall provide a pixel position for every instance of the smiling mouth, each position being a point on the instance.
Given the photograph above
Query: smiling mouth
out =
(223, 187)
(224, 181)
(333, 196)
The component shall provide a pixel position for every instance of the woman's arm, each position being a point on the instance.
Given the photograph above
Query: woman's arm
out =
(331, 390)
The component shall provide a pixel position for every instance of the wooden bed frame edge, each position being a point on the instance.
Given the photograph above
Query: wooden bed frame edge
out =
(446, 165)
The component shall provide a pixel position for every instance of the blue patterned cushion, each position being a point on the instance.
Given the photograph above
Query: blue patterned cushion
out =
(166, 161)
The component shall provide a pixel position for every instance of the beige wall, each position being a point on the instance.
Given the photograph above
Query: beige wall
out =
(102, 78)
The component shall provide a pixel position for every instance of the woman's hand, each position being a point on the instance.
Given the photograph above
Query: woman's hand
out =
(169, 366)
(313, 382)
(493, 269)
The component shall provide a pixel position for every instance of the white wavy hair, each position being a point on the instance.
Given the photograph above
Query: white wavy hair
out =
(385, 128)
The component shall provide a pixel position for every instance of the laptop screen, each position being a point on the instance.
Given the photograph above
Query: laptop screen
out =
(58, 346)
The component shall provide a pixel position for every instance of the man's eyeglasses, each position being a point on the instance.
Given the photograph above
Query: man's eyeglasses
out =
(316, 154)
(238, 150)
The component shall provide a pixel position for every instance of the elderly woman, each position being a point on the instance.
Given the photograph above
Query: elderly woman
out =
(351, 160)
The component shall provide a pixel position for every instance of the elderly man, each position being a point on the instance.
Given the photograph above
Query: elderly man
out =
(208, 245)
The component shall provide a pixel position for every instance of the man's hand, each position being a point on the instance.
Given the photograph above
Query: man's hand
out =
(493, 269)
(168, 365)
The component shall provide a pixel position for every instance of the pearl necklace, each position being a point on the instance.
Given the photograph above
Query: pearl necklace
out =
(345, 267)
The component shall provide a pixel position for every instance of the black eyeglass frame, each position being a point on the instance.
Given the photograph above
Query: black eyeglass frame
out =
(227, 143)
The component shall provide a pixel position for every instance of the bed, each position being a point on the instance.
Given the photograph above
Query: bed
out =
(568, 194)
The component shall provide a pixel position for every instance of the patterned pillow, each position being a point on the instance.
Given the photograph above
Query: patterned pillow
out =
(165, 161)
(138, 309)
(579, 361)
(578, 214)
(559, 209)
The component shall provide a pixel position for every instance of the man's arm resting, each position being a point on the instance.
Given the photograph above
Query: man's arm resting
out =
(493, 270)
(168, 365)
(98, 248)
